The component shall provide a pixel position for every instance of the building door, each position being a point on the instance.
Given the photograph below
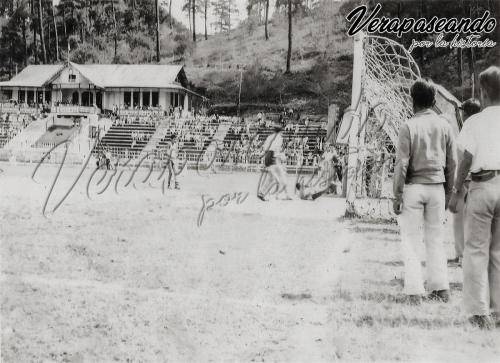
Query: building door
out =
(87, 98)
(74, 98)
(98, 99)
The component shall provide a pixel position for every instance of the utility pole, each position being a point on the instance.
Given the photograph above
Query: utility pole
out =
(157, 31)
(239, 94)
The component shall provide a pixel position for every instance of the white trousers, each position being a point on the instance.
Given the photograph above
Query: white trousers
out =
(481, 262)
(459, 222)
(422, 220)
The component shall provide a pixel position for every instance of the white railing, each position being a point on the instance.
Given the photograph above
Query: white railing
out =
(22, 108)
(132, 112)
(75, 109)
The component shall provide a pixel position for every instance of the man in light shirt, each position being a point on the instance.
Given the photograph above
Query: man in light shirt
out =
(423, 179)
(479, 140)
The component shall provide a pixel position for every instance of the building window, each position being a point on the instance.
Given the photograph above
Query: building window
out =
(145, 98)
(75, 98)
(39, 97)
(135, 97)
(127, 98)
(87, 98)
(154, 99)
(6, 94)
(48, 96)
(72, 78)
(21, 96)
(31, 97)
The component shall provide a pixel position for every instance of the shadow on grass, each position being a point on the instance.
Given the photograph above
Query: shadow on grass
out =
(380, 297)
(403, 321)
(394, 282)
(395, 263)
(359, 229)
(302, 296)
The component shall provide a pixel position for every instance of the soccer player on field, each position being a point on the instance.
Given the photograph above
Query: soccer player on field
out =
(173, 161)
(273, 159)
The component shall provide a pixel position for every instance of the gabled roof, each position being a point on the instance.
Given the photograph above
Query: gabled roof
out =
(34, 76)
(133, 75)
(105, 75)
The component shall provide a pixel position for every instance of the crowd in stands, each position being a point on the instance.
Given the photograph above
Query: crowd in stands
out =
(11, 124)
(303, 142)
(242, 143)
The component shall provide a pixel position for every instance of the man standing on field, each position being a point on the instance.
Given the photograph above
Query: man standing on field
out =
(469, 107)
(479, 140)
(423, 180)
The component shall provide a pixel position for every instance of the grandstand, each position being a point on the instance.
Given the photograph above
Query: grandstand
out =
(226, 140)
(126, 137)
(237, 141)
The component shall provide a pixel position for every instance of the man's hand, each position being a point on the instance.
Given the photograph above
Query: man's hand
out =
(397, 206)
(447, 197)
(452, 203)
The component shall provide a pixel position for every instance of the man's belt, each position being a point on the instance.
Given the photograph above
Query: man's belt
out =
(484, 175)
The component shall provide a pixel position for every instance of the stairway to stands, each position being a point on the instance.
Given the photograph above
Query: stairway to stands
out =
(163, 132)
(120, 140)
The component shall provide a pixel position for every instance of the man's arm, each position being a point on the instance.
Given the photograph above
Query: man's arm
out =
(451, 162)
(463, 170)
(467, 143)
(402, 162)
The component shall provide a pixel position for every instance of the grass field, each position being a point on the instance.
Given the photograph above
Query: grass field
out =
(129, 276)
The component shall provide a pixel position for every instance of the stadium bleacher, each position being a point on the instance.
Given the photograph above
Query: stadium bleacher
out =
(10, 125)
(239, 141)
(127, 137)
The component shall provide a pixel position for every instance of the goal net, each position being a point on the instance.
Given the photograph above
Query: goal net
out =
(383, 74)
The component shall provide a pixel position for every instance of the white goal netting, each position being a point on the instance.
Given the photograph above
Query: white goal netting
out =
(383, 74)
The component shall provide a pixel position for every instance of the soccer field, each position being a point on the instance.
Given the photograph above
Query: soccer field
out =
(129, 275)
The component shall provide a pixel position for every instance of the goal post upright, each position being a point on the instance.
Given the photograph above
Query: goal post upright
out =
(356, 112)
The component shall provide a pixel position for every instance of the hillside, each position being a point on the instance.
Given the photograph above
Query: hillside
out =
(321, 64)
(322, 57)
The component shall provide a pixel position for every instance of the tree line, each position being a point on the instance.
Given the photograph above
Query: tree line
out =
(105, 31)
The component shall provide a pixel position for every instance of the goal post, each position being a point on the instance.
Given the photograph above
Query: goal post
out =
(351, 124)
(383, 73)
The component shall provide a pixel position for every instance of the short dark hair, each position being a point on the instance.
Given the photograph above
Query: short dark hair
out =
(489, 80)
(423, 94)
(297, 186)
(471, 107)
